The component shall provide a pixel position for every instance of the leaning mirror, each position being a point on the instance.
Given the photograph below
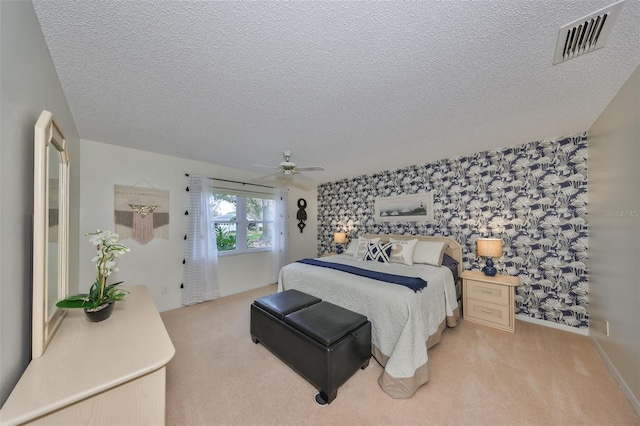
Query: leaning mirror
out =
(50, 230)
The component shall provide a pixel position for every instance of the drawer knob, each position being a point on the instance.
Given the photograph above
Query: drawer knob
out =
(486, 311)
(486, 291)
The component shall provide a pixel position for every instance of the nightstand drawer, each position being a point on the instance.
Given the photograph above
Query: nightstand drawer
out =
(497, 314)
(487, 292)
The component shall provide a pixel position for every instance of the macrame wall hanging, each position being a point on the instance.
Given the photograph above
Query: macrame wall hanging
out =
(141, 213)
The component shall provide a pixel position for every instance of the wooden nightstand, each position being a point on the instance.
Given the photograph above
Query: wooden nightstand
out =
(489, 300)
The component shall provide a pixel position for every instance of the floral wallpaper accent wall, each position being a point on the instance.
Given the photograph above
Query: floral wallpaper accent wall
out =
(533, 197)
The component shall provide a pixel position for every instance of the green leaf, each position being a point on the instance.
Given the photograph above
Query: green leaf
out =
(76, 301)
(94, 291)
(76, 297)
(110, 286)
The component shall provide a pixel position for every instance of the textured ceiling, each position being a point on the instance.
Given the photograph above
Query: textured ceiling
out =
(356, 87)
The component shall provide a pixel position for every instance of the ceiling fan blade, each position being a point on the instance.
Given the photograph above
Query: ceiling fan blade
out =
(290, 181)
(266, 167)
(303, 177)
(311, 169)
(296, 185)
(269, 176)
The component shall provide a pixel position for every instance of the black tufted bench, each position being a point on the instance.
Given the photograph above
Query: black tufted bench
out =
(324, 343)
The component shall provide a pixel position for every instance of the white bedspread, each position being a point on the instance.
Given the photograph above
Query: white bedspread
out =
(401, 320)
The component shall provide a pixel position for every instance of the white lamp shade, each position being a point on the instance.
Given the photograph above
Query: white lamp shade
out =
(489, 247)
(340, 237)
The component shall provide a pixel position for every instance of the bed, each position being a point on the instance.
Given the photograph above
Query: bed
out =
(405, 323)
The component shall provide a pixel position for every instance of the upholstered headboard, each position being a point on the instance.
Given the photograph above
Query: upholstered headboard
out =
(452, 248)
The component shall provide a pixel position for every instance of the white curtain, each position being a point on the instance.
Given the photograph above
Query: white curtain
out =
(200, 271)
(281, 232)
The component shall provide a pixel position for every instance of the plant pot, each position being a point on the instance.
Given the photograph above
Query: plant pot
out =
(100, 313)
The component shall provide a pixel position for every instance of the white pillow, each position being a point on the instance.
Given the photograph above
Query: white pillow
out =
(353, 244)
(361, 248)
(430, 252)
(402, 251)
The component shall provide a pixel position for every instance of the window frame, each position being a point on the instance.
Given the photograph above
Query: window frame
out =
(241, 223)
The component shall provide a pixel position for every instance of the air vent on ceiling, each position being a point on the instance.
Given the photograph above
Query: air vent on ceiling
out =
(586, 34)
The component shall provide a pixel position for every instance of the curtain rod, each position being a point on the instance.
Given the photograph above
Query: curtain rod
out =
(236, 181)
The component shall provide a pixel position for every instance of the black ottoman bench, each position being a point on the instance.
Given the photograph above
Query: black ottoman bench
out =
(324, 343)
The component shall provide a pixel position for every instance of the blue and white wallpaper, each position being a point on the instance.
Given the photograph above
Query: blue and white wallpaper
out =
(533, 197)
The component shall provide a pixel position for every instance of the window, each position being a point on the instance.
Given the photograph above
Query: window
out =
(243, 223)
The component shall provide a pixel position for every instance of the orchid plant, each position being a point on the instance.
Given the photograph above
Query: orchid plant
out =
(108, 253)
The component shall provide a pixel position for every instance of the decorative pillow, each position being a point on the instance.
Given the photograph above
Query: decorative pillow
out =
(402, 251)
(452, 264)
(378, 252)
(429, 252)
(361, 248)
(353, 244)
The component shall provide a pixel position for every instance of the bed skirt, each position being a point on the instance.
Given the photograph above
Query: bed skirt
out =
(406, 387)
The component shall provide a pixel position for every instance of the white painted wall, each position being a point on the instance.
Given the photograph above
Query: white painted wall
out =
(158, 264)
(29, 84)
(614, 235)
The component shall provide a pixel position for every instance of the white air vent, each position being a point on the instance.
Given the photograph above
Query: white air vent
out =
(586, 34)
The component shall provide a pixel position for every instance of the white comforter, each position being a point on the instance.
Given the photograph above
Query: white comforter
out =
(401, 320)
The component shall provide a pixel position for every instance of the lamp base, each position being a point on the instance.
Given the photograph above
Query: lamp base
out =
(339, 248)
(489, 270)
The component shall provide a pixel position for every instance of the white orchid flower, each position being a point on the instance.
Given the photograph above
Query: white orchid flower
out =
(108, 251)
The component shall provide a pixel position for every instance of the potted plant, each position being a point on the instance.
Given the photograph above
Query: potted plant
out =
(98, 303)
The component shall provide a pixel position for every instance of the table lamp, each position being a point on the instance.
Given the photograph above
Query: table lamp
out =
(339, 238)
(489, 248)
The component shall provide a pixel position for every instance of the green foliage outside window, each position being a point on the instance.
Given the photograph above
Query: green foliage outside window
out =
(225, 240)
(245, 218)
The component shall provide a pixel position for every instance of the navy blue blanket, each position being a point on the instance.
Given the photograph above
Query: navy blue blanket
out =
(414, 283)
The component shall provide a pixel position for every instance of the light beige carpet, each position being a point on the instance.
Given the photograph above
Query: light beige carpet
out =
(479, 376)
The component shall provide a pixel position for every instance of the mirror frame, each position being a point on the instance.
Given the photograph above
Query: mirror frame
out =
(48, 140)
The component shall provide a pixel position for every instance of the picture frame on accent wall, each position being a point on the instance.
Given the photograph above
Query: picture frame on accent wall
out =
(405, 208)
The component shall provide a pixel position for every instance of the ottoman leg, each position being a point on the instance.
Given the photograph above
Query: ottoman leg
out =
(323, 399)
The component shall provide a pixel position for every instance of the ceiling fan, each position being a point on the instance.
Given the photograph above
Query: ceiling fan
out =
(288, 168)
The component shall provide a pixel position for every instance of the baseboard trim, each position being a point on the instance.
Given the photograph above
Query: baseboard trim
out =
(612, 369)
(581, 331)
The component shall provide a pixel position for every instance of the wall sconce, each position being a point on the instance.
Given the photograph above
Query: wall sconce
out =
(489, 248)
(339, 238)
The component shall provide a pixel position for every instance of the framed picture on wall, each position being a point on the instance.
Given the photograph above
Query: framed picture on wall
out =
(405, 208)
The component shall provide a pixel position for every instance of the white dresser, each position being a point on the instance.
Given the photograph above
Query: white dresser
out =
(111, 372)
